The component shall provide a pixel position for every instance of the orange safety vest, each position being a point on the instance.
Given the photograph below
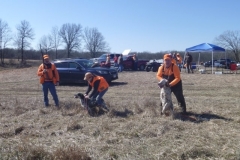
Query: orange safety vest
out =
(52, 74)
(102, 85)
(179, 60)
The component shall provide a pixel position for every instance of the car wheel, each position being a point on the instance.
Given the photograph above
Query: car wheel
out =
(141, 68)
(154, 69)
(148, 69)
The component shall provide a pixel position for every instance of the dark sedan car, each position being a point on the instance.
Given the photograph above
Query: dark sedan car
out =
(73, 70)
(209, 63)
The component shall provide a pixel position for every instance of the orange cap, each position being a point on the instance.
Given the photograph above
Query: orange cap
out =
(45, 56)
(167, 56)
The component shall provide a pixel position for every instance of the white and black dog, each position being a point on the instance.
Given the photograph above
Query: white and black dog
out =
(89, 104)
(165, 97)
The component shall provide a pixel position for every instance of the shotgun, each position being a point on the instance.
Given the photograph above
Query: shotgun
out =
(43, 62)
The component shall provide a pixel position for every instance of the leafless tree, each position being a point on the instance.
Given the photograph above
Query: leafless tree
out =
(230, 40)
(94, 41)
(71, 36)
(46, 43)
(56, 39)
(5, 38)
(24, 34)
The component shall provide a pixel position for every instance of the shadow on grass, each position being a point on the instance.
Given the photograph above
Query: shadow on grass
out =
(74, 84)
(122, 114)
(85, 84)
(118, 83)
(198, 118)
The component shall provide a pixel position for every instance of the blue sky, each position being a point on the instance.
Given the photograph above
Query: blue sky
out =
(140, 25)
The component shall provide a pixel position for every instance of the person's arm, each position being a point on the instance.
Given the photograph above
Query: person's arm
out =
(95, 88)
(89, 89)
(40, 70)
(159, 73)
(176, 73)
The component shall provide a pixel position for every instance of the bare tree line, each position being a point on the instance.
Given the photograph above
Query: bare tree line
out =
(73, 36)
(69, 35)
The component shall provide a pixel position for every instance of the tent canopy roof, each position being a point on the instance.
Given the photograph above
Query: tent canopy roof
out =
(204, 47)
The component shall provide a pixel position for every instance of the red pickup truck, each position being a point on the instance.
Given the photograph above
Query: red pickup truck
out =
(128, 63)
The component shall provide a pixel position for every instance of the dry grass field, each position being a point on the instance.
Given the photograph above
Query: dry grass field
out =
(133, 129)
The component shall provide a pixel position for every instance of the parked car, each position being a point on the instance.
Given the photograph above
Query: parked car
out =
(153, 65)
(225, 62)
(102, 58)
(209, 63)
(128, 63)
(73, 70)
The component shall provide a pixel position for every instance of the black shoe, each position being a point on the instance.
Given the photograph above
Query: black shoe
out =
(184, 113)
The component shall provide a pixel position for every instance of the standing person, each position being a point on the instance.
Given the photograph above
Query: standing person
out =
(188, 61)
(107, 63)
(170, 71)
(115, 59)
(135, 62)
(174, 58)
(120, 63)
(179, 61)
(49, 77)
(100, 87)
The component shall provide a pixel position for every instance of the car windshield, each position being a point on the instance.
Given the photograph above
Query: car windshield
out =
(86, 63)
(103, 56)
(125, 58)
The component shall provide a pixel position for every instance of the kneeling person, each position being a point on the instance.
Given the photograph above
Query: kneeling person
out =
(99, 86)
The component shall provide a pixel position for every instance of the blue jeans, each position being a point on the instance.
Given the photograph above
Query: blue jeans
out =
(98, 96)
(51, 87)
(115, 64)
(135, 66)
(120, 68)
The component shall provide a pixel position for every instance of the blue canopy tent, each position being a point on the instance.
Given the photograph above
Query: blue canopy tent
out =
(206, 47)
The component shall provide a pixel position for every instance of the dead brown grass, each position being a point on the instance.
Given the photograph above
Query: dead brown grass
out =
(133, 129)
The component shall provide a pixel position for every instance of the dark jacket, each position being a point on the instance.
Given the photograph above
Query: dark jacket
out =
(188, 58)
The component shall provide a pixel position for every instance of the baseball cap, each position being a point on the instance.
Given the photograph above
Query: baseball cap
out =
(87, 76)
(45, 56)
(167, 56)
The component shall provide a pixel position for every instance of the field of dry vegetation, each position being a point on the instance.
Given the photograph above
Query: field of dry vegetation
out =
(133, 129)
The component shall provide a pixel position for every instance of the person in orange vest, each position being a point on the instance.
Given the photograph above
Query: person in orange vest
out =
(49, 77)
(170, 71)
(179, 61)
(99, 86)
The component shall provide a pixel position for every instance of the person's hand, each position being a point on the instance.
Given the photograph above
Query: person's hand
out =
(167, 85)
(86, 97)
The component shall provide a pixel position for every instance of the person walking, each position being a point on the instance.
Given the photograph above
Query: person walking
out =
(115, 60)
(188, 61)
(99, 86)
(120, 63)
(179, 61)
(49, 77)
(108, 63)
(135, 62)
(170, 71)
(174, 58)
